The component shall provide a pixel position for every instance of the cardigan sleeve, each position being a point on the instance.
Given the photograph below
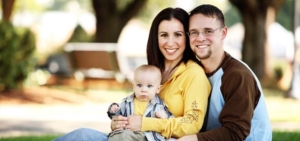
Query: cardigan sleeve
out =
(195, 89)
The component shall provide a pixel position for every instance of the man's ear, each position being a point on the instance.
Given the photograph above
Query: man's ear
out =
(224, 32)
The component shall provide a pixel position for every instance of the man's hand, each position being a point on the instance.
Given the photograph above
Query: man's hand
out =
(161, 114)
(118, 122)
(134, 123)
(188, 138)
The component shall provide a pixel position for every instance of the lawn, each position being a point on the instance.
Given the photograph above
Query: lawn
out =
(30, 138)
(286, 136)
(277, 136)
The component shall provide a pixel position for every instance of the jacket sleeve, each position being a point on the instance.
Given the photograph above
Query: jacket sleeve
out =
(241, 96)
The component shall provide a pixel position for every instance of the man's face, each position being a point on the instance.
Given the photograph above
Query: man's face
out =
(210, 38)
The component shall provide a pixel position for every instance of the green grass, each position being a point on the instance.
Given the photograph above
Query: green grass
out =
(277, 136)
(286, 136)
(30, 138)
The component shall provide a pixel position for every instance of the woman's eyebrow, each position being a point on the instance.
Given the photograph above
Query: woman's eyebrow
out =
(162, 32)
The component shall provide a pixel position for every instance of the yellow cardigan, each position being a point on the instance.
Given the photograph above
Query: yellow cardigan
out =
(186, 95)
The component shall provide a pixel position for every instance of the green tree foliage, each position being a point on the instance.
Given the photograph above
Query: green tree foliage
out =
(80, 35)
(16, 55)
(285, 15)
(62, 5)
(28, 5)
(232, 16)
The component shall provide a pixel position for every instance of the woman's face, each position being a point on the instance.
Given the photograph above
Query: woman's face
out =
(171, 39)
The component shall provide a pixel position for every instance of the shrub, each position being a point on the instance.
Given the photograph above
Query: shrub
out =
(17, 46)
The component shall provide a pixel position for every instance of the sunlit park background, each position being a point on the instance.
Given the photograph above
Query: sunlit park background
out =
(62, 62)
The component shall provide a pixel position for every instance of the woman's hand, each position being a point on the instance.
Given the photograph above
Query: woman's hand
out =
(118, 122)
(134, 123)
(188, 138)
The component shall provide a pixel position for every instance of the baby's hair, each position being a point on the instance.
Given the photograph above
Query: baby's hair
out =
(150, 68)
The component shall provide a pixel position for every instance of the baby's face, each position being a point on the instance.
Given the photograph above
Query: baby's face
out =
(145, 86)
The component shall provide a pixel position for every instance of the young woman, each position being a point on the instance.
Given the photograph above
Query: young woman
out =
(185, 87)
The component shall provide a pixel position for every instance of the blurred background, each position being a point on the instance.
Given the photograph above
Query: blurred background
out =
(63, 61)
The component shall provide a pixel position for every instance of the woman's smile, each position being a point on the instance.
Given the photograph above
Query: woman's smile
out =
(171, 51)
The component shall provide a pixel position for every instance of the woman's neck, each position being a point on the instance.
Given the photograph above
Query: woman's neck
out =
(170, 67)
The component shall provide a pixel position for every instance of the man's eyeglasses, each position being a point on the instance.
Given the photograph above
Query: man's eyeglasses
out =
(205, 32)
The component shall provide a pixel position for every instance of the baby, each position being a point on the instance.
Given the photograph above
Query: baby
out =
(144, 101)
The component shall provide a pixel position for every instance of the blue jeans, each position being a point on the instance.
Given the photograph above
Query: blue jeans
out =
(83, 134)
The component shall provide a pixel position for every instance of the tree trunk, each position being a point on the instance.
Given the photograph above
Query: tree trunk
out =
(110, 19)
(108, 30)
(7, 7)
(254, 14)
(253, 52)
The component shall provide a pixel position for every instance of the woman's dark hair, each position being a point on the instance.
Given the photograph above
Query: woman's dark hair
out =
(154, 55)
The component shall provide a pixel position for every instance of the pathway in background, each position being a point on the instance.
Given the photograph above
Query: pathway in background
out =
(18, 120)
(42, 111)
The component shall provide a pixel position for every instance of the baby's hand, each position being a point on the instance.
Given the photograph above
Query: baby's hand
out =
(161, 114)
(114, 108)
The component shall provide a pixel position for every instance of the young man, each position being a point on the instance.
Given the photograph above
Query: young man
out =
(237, 109)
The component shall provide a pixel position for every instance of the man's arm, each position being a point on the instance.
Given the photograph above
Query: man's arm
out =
(240, 93)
